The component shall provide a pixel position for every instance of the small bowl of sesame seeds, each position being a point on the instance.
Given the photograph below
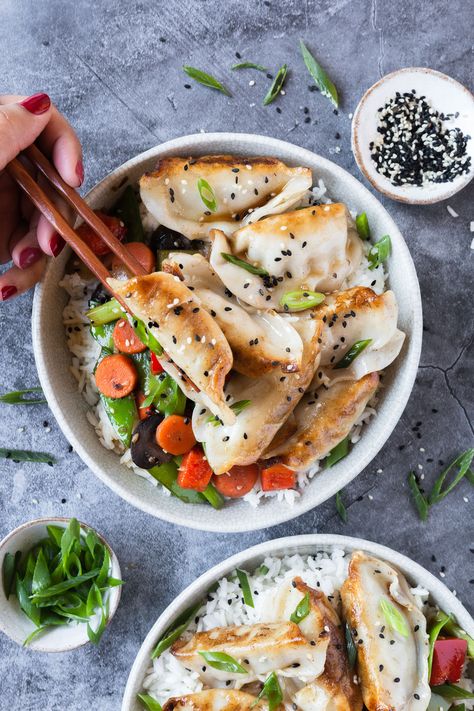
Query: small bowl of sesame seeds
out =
(413, 136)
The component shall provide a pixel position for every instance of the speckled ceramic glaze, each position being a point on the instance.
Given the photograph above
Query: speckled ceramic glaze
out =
(15, 624)
(251, 558)
(53, 357)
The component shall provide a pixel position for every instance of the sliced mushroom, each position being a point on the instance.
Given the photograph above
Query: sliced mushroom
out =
(145, 451)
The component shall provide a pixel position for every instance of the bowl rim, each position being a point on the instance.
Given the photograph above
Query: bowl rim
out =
(282, 546)
(285, 512)
(114, 563)
(356, 147)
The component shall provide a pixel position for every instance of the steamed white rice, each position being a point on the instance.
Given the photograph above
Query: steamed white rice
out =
(167, 677)
(85, 351)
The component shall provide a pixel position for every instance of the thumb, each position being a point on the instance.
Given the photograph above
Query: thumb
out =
(21, 123)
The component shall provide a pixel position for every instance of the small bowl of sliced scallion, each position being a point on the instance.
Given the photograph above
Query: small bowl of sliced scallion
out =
(60, 585)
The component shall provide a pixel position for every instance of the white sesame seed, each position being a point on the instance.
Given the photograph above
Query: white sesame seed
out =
(167, 181)
(420, 467)
(370, 497)
(441, 574)
(283, 228)
(283, 92)
(452, 212)
(465, 499)
(472, 243)
(422, 449)
(379, 471)
(471, 226)
(252, 82)
(350, 115)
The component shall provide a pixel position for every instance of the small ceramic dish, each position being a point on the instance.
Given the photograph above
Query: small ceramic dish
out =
(13, 621)
(53, 358)
(251, 558)
(444, 94)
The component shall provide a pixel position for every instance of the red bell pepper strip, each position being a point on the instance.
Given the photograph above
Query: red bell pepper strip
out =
(156, 366)
(194, 471)
(449, 657)
(277, 477)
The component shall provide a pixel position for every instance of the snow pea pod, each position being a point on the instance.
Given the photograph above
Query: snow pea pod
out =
(167, 475)
(122, 413)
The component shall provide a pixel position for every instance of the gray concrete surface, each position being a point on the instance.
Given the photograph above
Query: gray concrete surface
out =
(114, 68)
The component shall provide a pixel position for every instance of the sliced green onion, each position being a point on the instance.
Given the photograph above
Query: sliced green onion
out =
(338, 452)
(207, 194)
(9, 568)
(59, 588)
(276, 86)
(302, 610)
(105, 313)
(244, 584)
(244, 265)
(441, 620)
(451, 691)
(362, 224)
(394, 617)
(16, 397)
(205, 79)
(354, 351)
(149, 702)
(321, 78)
(271, 690)
(340, 508)
(236, 407)
(249, 65)
(463, 462)
(223, 662)
(263, 570)
(419, 500)
(175, 630)
(301, 300)
(26, 455)
(379, 252)
(350, 646)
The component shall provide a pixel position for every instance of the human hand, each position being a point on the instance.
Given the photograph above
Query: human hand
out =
(26, 237)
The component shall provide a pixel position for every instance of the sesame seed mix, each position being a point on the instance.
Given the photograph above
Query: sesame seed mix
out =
(415, 147)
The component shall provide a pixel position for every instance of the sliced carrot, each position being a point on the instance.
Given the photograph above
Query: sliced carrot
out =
(175, 435)
(194, 471)
(116, 376)
(125, 338)
(95, 242)
(142, 254)
(277, 477)
(143, 412)
(156, 366)
(236, 482)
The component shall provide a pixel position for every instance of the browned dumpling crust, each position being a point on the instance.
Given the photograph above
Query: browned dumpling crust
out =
(188, 334)
(324, 417)
(217, 700)
(239, 185)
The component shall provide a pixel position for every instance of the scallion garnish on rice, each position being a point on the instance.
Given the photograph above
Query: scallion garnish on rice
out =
(379, 252)
(271, 690)
(362, 224)
(244, 584)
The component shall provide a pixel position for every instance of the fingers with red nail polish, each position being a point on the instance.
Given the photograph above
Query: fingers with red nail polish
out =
(56, 245)
(6, 292)
(37, 104)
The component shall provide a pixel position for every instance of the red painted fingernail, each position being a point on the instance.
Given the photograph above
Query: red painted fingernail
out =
(37, 104)
(56, 245)
(7, 292)
(80, 171)
(29, 256)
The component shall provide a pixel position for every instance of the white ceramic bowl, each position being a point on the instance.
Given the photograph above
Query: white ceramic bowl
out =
(53, 357)
(251, 558)
(444, 94)
(14, 622)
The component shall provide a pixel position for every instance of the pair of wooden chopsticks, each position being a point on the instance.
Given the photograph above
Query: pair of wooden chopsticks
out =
(44, 204)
